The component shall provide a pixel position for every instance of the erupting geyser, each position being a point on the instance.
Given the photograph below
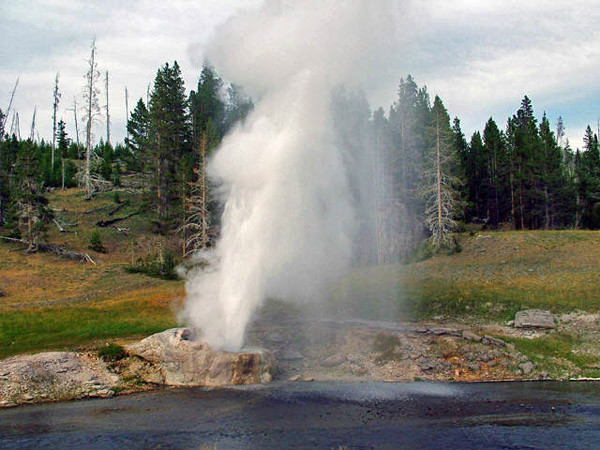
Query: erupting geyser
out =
(289, 220)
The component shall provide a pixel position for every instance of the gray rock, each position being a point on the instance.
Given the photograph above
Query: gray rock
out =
(51, 374)
(490, 340)
(492, 363)
(534, 318)
(471, 336)
(184, 359)
(333, 361)
(474, 367)
(291, 355)
(526, 367)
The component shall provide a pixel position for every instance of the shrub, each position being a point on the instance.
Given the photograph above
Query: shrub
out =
(158, 265)
(96, 243)
(112, 352)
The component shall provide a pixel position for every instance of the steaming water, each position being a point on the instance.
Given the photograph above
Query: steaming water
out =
(289, 222)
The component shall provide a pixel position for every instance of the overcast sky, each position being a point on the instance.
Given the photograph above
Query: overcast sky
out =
(481, 57)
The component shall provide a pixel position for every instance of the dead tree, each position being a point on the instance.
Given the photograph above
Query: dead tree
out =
(107, 111)
(438, 189)
(3, 123)
(32, 132)
(76, 123)
(92, 110)
(126, 115)
(196, 214)
(54, 109)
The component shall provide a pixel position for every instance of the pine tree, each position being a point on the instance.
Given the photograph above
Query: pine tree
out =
(206, 103)
(168, 135)
(32, 207)
(408, 118)
(63, 148)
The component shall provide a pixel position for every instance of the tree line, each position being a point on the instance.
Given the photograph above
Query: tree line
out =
(431, 180)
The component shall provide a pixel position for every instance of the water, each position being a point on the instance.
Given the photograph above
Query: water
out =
(320, 415)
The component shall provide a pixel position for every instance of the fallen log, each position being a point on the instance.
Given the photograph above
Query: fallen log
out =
(56, 249)
(117, 209)
(106, 223)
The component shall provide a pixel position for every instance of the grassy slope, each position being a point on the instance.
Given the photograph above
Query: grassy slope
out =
(496, 274)
(52, 303)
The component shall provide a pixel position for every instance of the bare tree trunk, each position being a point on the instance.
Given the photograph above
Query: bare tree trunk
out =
(54, 109)
(203, 193)
(126, 114)
(107, 113)
(90, 105)
(513, 210)
(3, 124)
(439, 178)
(32, 132)
(547, 208)
(75, 117)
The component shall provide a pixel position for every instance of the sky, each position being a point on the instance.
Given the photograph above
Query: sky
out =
(480, 57)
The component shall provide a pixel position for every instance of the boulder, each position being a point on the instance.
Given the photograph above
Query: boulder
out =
(526, 367)
(534, 318)
(469, 336)
(53, 376)
(333, 361)
(184, 359)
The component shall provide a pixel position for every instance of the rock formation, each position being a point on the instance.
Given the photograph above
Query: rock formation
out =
(184, 359)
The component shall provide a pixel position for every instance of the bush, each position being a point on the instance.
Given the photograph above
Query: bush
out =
(116, 198)
(96, 243)
(112, 352)
(158, 265)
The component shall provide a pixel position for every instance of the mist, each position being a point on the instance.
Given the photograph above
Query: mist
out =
(294, 201)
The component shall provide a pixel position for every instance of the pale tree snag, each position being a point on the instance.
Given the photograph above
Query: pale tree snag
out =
(439, 185)
(107, 112)
(91, 110)
(56, 95)
(126, 114)
(76, 123)
(3, 123)
(32, 133)
(195, 228)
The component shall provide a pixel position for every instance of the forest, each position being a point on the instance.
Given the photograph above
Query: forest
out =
(522, 175)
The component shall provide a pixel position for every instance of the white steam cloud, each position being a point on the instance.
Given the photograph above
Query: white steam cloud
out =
(289, 221)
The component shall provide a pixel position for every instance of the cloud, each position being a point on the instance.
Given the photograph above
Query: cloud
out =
(480, 57)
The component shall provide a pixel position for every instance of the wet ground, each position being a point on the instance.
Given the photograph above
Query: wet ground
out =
(540, 415)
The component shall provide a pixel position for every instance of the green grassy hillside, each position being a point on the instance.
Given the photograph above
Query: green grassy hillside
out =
(47, 302)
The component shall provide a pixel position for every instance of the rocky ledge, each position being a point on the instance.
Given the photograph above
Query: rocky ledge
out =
(176, 357)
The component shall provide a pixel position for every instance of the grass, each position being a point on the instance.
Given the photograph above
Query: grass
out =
(496, 274)
(558, 353)
(50, 303)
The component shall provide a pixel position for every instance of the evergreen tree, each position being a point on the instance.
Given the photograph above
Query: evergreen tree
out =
(168, 136)
(496, 174)
(137, 140)
(30, 204)
(408, 118)
(206, 103)
(63, 149)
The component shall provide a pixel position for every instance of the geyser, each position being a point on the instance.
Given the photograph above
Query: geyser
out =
(289, 219)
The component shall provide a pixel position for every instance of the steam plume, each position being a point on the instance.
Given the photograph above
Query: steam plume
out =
(289, 220)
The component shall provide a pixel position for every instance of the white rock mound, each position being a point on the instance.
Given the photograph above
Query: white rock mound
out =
(184, 359)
